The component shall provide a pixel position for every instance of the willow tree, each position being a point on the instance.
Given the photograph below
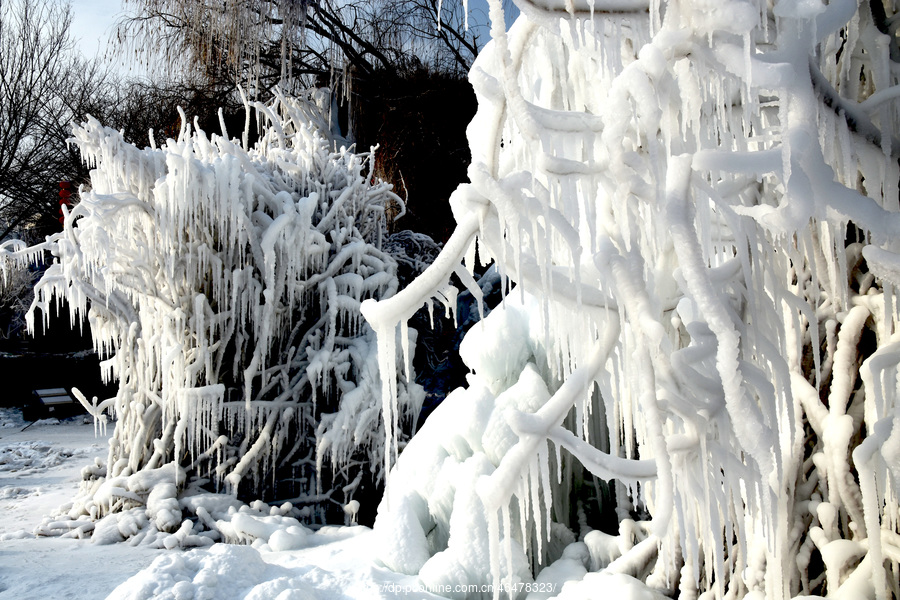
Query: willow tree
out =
(696, 208)
(308, 42)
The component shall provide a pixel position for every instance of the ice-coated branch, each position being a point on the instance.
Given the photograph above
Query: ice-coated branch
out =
(753, 434)
(497, 490)
(401, 306)
(856, 114)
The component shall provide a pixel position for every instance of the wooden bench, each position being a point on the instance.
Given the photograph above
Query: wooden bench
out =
(51, 403)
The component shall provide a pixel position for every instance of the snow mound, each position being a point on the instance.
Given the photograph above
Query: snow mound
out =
(11, 418)
(606, 585)
(224, 572)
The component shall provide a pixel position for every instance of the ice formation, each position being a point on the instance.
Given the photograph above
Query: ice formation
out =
(222, 285)
(695, 206)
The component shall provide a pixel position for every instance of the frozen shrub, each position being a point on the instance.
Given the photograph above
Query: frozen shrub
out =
(222, 285)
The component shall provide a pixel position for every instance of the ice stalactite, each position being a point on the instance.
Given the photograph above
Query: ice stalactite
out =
(222, 285)
(695, 205)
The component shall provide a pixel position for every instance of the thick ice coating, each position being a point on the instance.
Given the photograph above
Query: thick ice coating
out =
(697, 206)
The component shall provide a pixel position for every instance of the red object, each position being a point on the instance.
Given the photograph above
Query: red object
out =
(65, 198)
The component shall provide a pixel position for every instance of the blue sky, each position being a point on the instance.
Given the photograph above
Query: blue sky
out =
(92, 23)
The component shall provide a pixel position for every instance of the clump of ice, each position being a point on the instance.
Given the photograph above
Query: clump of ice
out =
(147, 509)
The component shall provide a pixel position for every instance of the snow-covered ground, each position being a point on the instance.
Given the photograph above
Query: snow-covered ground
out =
(39, 471)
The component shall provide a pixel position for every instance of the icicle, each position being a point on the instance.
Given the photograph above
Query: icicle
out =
(407, 357)
(494, 544)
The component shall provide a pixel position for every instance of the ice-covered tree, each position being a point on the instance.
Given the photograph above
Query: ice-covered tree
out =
(222, 285)
(695, 206)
